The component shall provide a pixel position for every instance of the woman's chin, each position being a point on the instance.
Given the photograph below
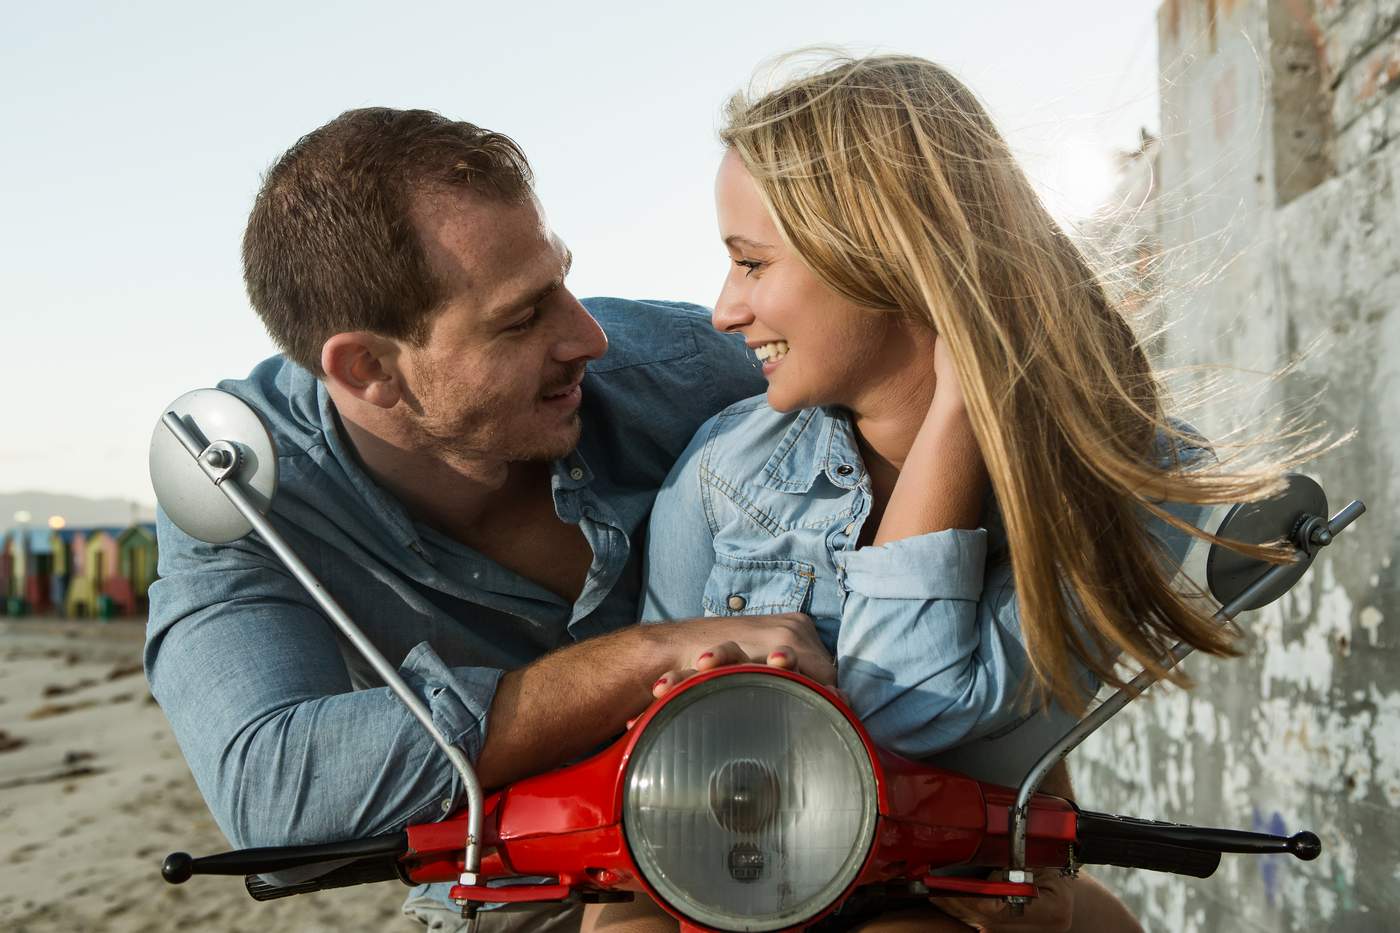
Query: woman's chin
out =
(782, 402)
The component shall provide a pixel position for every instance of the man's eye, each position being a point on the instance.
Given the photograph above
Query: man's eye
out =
(750, 265)
(523, 325)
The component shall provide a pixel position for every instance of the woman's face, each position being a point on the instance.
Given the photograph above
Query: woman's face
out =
(816, 346)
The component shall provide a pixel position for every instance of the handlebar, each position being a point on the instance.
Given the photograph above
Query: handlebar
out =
(180, 866)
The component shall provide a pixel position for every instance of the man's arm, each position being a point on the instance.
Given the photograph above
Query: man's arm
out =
(252, 679)
(566, 703)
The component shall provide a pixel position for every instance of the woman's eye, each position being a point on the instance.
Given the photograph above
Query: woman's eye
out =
(749, 265)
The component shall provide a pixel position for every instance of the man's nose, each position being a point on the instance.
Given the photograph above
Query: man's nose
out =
(583, 339)
(731, 311)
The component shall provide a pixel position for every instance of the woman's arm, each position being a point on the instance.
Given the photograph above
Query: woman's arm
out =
(925, 661)
(923, 664)
(943, 481)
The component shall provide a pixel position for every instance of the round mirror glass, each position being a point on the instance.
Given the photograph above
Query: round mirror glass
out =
(1229, 573)
(185, 492)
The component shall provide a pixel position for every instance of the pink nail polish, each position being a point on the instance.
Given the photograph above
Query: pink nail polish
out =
(658, 683)
(707, 654)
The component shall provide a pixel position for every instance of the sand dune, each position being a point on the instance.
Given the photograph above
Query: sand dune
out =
(94, 794)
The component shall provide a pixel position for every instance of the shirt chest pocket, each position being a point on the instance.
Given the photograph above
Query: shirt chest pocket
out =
(748, 586)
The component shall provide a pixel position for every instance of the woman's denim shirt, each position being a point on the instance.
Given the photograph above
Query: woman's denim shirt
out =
(762, 514)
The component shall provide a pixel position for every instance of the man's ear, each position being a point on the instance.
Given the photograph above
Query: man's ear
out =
(364, 365)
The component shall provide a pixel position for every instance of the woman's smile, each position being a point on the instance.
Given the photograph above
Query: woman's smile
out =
(770, 354)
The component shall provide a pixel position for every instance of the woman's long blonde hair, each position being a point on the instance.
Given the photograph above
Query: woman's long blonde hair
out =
(887, 177)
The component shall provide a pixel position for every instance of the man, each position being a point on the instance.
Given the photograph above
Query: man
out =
(466, 463)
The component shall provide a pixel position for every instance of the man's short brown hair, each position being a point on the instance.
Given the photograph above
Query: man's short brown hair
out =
(330, 245)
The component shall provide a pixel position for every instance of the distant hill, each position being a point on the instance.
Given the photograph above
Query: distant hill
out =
(77, 511)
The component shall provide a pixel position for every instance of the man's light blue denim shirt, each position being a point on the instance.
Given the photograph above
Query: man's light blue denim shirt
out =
(290, 735)
(763, 513)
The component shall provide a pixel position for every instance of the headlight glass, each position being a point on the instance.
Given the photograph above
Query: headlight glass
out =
(750, 803)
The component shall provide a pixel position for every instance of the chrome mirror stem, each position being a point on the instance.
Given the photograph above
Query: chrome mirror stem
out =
(220, 460)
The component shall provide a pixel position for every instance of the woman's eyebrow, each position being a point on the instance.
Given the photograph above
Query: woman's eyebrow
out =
(737, 240)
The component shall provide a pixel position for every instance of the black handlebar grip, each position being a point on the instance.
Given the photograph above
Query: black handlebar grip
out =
(1153, 856)
(365, 871)
(1094, 827)
(179, 866)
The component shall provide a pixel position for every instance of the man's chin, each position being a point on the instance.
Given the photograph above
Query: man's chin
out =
(559, 443)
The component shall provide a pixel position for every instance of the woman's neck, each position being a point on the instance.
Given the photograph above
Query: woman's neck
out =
(887, 419)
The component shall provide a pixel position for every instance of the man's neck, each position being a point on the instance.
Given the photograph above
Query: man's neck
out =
(452, 494)
(503, 510)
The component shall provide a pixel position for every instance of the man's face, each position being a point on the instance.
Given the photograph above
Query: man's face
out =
(498, 378)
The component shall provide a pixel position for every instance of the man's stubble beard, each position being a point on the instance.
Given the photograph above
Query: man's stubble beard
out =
(480, 434)
(474, 438)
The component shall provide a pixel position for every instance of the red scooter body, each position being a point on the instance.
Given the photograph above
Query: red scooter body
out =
(567, 824)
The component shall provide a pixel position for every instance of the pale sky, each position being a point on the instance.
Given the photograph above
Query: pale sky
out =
(138, 133)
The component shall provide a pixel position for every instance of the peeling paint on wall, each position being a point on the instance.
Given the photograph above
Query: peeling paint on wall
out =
(1303, 732)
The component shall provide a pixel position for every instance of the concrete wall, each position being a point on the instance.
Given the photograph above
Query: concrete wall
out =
(1275, 209)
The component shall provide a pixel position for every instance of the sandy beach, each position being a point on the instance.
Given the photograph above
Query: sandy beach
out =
(94, 794)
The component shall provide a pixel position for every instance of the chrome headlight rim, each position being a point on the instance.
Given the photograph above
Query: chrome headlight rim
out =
(867, 791)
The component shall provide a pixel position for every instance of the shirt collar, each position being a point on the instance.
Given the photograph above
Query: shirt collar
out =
(567, 474)
(388, 509)
(819, 442)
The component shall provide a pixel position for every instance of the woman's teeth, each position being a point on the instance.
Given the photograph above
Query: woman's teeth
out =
(771, 351)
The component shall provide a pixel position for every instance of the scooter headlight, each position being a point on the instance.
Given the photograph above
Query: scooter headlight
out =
(750, 803)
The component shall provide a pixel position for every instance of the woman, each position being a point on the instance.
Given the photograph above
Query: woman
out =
(960, 466)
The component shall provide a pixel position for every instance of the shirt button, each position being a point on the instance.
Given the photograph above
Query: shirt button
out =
(737, 602)
(576, 474)
(845, 469)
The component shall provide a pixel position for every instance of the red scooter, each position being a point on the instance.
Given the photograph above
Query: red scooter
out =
(749, 798)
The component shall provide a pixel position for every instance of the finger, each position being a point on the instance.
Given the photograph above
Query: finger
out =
(664, 683)
(670, 680)
(816, 665)
(720, 655)
(784, 656)
(809, 654)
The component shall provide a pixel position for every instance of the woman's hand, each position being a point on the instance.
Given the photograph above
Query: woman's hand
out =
(947, 393)
(722, 655)
(943, 481)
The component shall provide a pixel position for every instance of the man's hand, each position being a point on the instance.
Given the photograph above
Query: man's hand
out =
(564, 704)
(1050, 912)
(788, 641)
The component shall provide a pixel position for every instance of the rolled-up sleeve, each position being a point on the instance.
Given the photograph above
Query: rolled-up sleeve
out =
(941, 565)
(930, 651)
(925, 661)
(284, 750)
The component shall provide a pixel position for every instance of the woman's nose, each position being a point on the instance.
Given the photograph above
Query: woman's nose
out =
(731, 311)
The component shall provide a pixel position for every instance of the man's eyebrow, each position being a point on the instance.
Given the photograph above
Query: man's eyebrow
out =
(535, 297)
(736, 240)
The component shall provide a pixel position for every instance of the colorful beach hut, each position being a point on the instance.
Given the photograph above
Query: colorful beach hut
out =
(7, 571)
(136, 555)
(62, 543)
(100, 563)
(38, 570)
